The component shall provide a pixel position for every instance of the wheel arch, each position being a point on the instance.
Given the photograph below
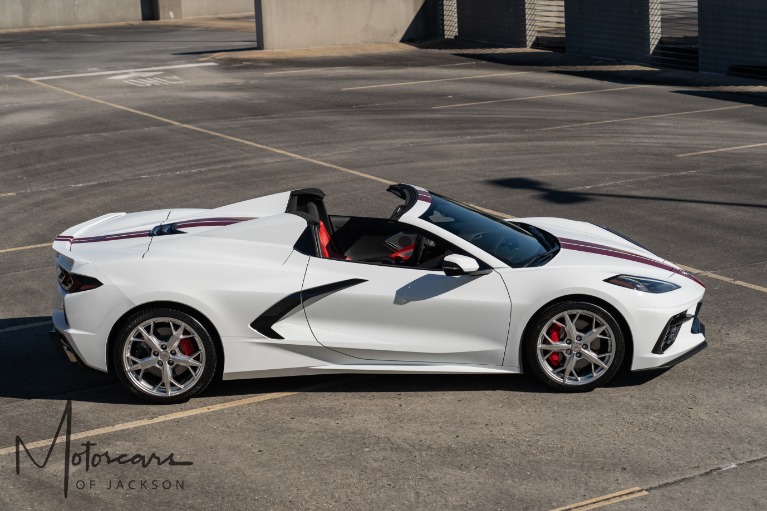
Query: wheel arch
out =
(199, 316)
(625, 329)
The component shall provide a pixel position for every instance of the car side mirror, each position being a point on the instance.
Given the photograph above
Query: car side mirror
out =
(456, 264)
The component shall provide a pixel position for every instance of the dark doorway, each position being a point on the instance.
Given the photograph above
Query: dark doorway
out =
(149, 10)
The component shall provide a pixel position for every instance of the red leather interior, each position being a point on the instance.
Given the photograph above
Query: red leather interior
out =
(326, 244)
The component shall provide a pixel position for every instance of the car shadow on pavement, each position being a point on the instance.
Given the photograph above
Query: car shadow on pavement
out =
(550, 194)
(33, 369)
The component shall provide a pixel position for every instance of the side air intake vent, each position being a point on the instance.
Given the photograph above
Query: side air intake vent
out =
(165, 230)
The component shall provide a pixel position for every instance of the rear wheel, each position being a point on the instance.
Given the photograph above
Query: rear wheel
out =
(574, 346)
(164, 355)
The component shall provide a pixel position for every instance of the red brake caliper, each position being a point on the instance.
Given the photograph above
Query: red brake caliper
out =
(555, 334)
(186, 347)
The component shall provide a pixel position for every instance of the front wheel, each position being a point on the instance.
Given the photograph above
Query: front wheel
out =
(574, 346)
(164, 355)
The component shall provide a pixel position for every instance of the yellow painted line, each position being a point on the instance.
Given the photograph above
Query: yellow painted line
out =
(180, 415)
(310, 70)
(435, 81)
(713, 275)
(212, 133)
(722, 150)
(28, 247)
(644, 117)
(604, 500)
(539, 97)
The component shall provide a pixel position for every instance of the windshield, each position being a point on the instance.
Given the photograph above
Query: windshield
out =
(503, 240)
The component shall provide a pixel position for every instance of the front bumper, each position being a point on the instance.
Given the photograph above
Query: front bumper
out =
(689, 338)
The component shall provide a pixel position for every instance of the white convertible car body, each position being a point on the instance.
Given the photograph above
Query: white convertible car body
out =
(286, 289)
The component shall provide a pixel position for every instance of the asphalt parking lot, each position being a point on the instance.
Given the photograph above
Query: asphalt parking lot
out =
(139, 117)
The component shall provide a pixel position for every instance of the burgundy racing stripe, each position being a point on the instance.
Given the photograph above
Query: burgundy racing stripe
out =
(199, 222)
(213, 222)
(593, 248)
(112, 237)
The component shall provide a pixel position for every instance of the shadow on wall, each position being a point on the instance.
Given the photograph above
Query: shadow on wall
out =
(549, 194)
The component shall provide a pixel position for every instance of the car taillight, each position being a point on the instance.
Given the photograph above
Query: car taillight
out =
(74, 283)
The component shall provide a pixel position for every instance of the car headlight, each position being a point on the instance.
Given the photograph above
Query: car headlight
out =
(644, 284)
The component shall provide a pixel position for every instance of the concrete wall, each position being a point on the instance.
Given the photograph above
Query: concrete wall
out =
(623, 30)
(178, 9)
(47, 13)
(732, 33)
(508, 22)
(284, 24)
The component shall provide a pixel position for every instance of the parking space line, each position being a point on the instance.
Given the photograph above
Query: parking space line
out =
(604, 500)
(186, 413)
(434, 81)
(14, 249)
(121, 71)
(644, 117)
(458, 105)
(210, 132)
(310, 70)
(722, 150)
(713, 275)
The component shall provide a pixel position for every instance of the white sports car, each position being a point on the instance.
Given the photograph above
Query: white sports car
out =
(276, 286)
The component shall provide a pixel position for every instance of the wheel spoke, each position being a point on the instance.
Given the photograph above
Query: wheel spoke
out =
(593, 358)
(591, 336)
(572, 333)
(144, 363)
(569, 366)
(554, 347)
(150, 339)
(176, 337)
(166, 378)
(186, 361)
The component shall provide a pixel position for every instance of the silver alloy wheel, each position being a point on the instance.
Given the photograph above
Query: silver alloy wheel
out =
(164, 357)
(576, 347)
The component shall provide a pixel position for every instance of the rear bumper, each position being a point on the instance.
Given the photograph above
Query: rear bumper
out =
(61, 345)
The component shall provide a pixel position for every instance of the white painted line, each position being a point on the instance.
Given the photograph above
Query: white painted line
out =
(722, 150)
(24, 327)
(123, 71)
(434, 81)
(539, 97)
(213, 133)
(180, 415)
(645, 117)
(9, 194)
(41, 245)
(310, 70)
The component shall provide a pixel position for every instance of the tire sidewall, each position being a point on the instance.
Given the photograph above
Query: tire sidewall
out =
(211, 358)
(531, 341)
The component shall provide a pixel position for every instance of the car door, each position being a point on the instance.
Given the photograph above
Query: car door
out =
(397, 313)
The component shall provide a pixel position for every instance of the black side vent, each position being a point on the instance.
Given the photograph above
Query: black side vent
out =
(165, 230)
(669, 334)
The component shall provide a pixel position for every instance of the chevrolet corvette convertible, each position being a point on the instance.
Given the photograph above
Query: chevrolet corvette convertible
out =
(276, 286)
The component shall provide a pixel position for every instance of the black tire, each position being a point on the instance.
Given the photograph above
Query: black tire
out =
(560, 349)
(190, 365)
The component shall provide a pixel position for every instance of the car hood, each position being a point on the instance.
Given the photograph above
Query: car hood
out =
(585, 244)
